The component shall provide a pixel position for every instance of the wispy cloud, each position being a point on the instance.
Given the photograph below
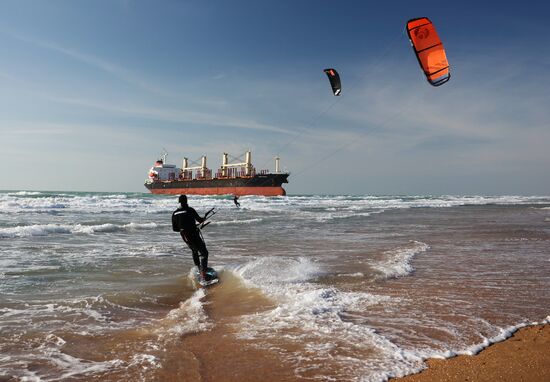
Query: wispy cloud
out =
(215, 116)
(212, 118)
(120, 72)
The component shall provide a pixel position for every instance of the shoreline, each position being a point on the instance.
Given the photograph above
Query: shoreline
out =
(523, 356)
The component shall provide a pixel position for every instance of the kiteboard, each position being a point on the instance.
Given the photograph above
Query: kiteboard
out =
(211, 277)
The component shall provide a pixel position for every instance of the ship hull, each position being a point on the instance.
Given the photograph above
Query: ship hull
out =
(266, 185)
(240, 191)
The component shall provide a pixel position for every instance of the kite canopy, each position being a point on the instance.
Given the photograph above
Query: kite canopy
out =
(334, 79)
(429, 50)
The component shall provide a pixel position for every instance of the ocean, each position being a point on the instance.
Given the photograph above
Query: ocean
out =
(96, 286)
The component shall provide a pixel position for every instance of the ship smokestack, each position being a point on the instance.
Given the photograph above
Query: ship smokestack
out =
(277, 167)
(185, 163)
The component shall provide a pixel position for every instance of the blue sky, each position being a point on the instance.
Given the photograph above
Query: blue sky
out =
(92, 91)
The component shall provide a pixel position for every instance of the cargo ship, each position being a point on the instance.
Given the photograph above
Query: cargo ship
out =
(239, 178)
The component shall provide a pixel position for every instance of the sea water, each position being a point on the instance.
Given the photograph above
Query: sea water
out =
(96, 286)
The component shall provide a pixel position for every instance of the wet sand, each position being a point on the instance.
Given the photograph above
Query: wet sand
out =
(523, 357)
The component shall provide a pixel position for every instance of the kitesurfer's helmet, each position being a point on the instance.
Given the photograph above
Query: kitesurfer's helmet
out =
(183, 200)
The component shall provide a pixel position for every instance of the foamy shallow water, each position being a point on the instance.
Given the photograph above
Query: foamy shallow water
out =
(97, 285)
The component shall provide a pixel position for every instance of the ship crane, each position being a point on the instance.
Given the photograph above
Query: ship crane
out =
(247, 164)
(201, 167)
(202, 170)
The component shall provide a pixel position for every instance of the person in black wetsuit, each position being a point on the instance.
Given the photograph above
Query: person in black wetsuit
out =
(184, 221)
(236, 201)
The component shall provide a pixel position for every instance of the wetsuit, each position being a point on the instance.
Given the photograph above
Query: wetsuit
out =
(235, 200)
(184, 221)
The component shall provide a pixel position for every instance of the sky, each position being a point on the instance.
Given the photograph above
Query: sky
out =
(92, 92)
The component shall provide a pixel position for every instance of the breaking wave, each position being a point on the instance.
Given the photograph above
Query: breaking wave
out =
(48, 229)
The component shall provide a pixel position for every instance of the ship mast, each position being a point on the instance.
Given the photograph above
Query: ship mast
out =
(164, 155)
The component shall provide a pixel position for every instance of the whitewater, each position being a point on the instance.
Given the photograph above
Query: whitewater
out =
(96, 286)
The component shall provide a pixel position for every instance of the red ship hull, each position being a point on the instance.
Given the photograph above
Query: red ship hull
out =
(265, 191)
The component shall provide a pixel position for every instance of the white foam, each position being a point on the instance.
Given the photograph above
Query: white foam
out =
(311, 316)
(50, 350)
(236, 221)
(98, 203)
(25, 193)
(397, 262)
(504, 333)
(274, 270)
(91, 313)
(189, 317)
(341, 215)
(357, 274)
(30, 377)
(58, 341)
(137, 226)
(66, 366)
(48, 229)
(74, 366)
(145, 361)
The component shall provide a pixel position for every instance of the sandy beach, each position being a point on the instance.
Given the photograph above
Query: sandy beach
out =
(523, 357)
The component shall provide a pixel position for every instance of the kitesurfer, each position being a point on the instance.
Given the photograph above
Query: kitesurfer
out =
(236, 201)
(184, 221)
